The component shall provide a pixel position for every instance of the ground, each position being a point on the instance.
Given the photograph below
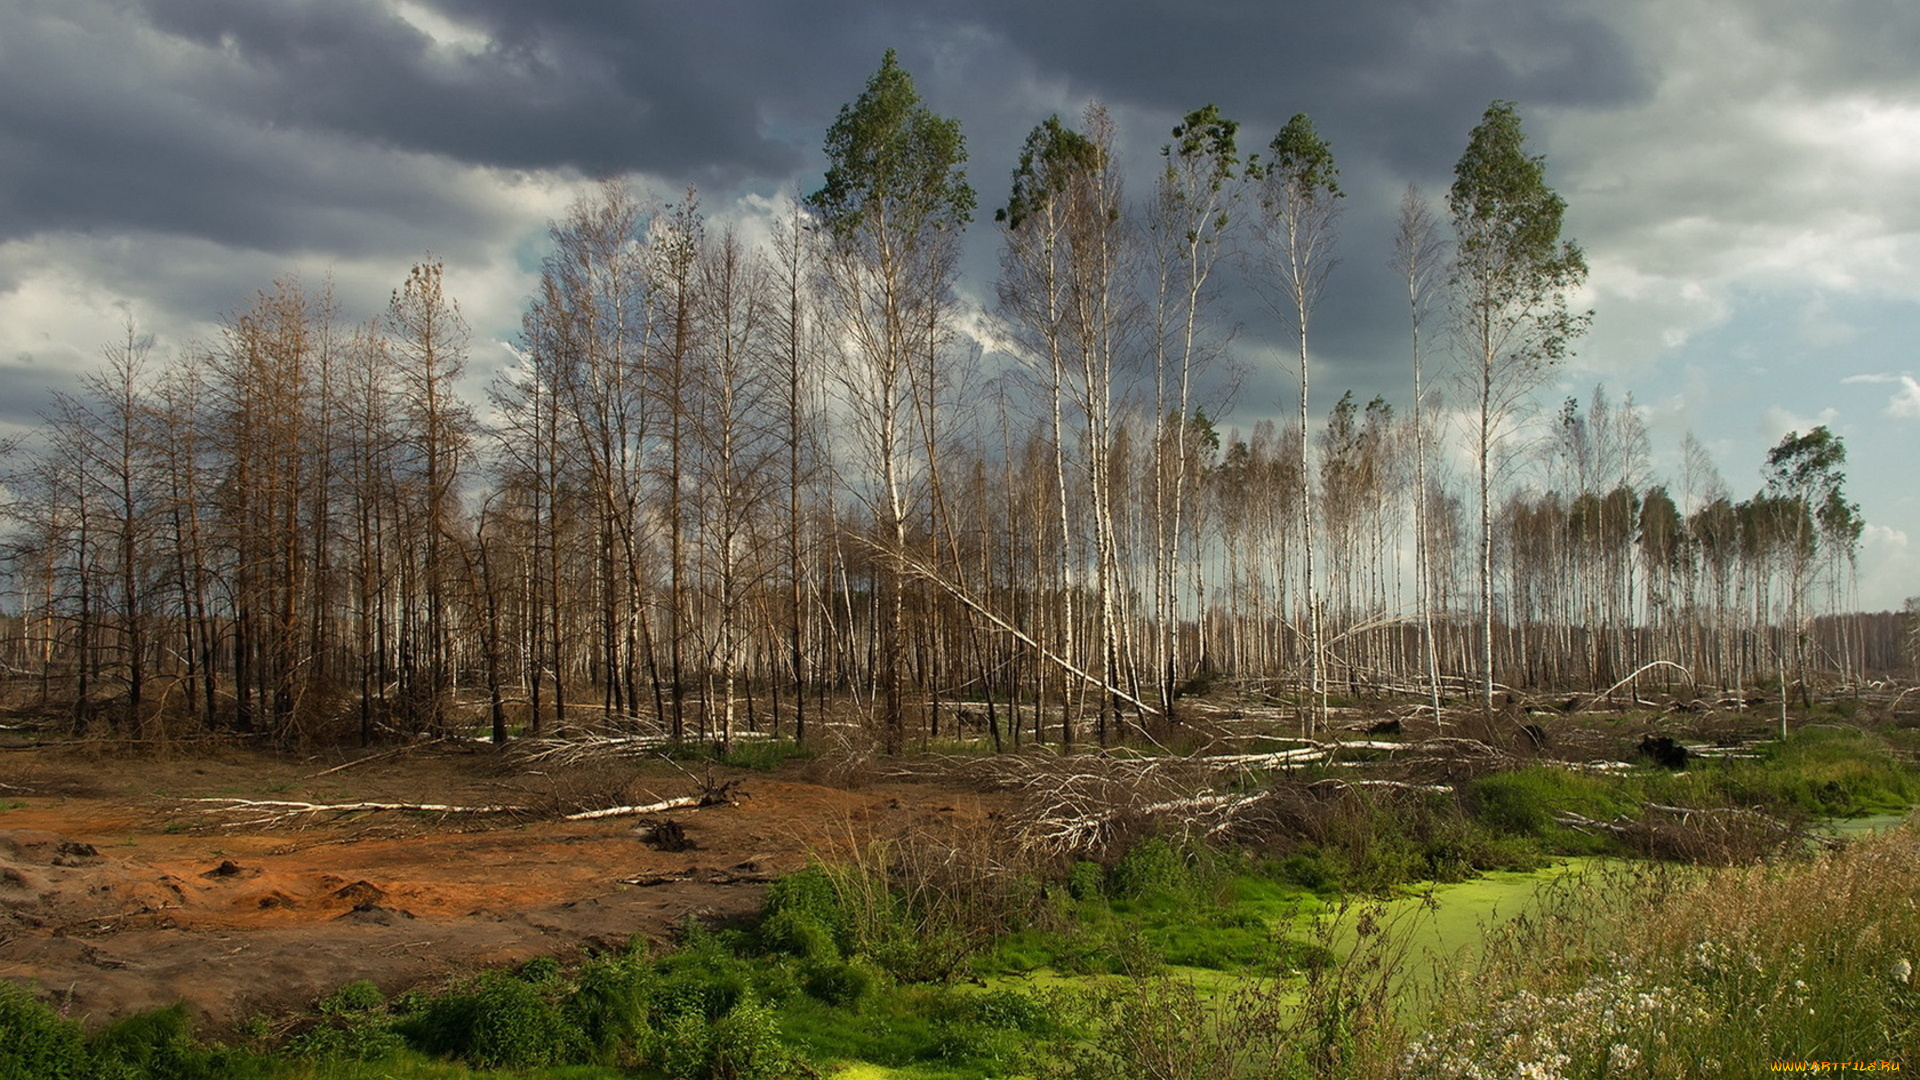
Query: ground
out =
(118, 892)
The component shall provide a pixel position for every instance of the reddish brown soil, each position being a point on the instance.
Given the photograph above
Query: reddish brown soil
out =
(118, 893)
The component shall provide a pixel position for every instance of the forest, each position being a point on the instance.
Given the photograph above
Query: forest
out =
(769, 483)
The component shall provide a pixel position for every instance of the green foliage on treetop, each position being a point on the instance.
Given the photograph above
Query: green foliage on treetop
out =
(893, 163)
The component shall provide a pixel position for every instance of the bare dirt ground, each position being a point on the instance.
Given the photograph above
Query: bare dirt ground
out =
(118, 892)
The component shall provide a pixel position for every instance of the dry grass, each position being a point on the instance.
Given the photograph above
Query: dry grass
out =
(1670, 973)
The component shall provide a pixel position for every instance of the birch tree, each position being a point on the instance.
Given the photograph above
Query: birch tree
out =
(1513, 278)
(1418, 252)
(1297, 227)
(891, 211)
(1187, 224)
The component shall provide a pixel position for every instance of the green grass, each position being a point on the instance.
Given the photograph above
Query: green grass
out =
(408, 1065)
(758, 754)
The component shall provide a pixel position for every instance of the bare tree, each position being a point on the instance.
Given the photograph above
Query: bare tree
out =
(428, 336)
(1418, 254)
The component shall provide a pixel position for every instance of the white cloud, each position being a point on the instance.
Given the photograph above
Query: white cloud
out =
(1889, 569)
(1778, 421)
(1883, 536)
(1905, 402)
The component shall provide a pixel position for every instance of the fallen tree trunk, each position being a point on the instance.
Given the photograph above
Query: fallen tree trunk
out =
(276, 810)
(919, 569)
(681, 803)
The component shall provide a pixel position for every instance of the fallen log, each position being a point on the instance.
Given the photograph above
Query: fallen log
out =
(373, 757)
(276, 810)
(1397, 785)
(933, 577)
(681, 803)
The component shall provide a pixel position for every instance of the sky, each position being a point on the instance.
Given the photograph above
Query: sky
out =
(1744, 175)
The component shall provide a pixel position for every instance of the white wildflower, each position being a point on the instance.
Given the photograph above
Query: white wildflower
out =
(1903, 971)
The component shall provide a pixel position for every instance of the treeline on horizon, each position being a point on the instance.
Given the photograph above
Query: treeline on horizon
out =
(733, 485)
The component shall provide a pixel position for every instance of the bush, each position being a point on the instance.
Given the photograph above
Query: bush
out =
(1086, 881)
(159, 1045)
(704, 980)
(794, 932)
(609, 1006)
(746, 1046)
(1010, 1010)
(686, 1051)
(1153, 870)
(838, 983)
(742, 1045)
(807, 895)
(1309, 870)
(35, 1042)
(1511, 804)
(498, 1021)
(354, 1025)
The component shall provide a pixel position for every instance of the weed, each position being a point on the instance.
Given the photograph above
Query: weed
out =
(838, 983)
(498, 1020)
(609, 1007)
(35, 1042)
(1086, 881)
(160, 1045)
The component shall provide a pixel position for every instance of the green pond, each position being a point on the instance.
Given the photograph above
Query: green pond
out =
(1438, 926)
(1860, 826)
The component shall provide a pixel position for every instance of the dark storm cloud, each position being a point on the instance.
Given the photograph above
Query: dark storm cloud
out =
(342, 127)
(1393, 78)
(598, 88)
(274, 125)
(100, 134)
(259, 122)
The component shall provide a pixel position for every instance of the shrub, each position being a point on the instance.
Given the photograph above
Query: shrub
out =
(1309, 870)
(686, 1046)
(745, 1045)
(498, 1021)
(742, 1045)
(808, 894)
(795, 932)
(706, 981)
(609, 1006)
(1086, 881)
(1010, 1010)
(354, 1025)
(35, 1042)
(1154, 869)
(359, 996)
(838, 983)
(540, 971)
(1509, 803)
(159, 1045)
